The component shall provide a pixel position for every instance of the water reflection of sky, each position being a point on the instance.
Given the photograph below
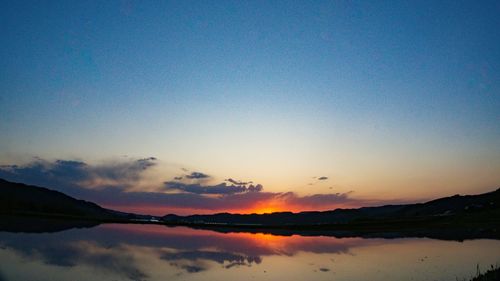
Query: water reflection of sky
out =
(150, 252)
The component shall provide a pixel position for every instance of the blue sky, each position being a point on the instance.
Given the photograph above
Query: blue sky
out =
(386, 98)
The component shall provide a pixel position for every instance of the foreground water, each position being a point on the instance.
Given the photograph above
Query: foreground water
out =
(154, 252)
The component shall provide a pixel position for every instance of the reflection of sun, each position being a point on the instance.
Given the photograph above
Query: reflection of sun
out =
(270, 241)
(266, 237)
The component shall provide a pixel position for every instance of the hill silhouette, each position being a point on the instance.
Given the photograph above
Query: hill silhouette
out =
(17, 199)
(482, 207)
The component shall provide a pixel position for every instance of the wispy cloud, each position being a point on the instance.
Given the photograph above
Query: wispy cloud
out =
(197, 175)
(72, 174)
(238, 182)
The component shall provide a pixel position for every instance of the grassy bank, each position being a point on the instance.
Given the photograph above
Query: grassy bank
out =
(492, 274)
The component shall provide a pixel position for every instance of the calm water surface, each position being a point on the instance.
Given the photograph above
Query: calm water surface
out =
(153, 252)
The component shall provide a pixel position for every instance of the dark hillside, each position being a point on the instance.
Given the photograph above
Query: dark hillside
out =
(21, 199)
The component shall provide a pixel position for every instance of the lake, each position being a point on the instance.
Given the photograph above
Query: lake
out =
(156, 252)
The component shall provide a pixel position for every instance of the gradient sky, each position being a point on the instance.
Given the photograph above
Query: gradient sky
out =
(388, 100)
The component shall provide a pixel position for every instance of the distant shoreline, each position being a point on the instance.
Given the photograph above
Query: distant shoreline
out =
(436, 229)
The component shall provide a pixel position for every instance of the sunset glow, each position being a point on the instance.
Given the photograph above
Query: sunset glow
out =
(250, 107)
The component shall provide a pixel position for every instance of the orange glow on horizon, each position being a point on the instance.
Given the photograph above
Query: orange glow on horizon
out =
(260, 207)
(262, 210)
(267, 211)
(266, 207)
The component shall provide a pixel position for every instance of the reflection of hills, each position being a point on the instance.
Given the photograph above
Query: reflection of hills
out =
(40, 225)
(49, 225)
(456, 234)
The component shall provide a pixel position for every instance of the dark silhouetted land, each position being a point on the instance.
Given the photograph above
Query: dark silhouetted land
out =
(17, 199)
(456, 217)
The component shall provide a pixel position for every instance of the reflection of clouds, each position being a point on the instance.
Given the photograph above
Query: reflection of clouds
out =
(246, 244)
(129, 250)
(116, 259)
(70, 253)
(190, 268)
(225, 258)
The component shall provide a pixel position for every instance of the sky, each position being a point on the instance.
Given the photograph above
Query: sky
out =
(250, 106)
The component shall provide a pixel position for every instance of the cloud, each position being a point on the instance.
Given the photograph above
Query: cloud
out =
(72, 175)
(199, 189)
(122, 172)
(317, 200)
(322, 178)
(197, 175)
(255, 188)
(238, 182)
(220, 189)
